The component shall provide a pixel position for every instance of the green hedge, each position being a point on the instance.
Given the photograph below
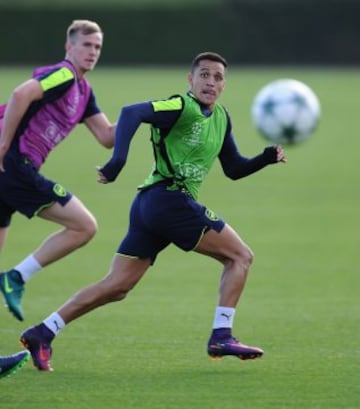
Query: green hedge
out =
(101, 4)
(245, 32)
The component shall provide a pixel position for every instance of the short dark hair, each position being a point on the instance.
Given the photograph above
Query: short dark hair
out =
(208, 55)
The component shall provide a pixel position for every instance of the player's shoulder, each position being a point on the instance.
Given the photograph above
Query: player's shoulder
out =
(173, 103)
(55, 74)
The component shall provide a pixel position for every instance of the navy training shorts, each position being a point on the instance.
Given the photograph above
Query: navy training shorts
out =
(23, 189)
(159, 216)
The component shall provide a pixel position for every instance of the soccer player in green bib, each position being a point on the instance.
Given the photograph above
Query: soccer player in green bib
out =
(188, 133)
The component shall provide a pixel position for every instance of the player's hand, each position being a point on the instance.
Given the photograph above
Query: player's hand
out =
(101, 178)
(280, 154)
(274, 154)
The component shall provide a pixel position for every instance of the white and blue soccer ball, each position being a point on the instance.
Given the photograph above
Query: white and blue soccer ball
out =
(286, 111)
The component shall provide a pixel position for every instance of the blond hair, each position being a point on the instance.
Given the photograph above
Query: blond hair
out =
(81, 26)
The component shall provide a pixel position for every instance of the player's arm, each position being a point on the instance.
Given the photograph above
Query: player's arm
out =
(131, 117)
(98, 123)
(103, 130)
(236, 166)
(18, 104)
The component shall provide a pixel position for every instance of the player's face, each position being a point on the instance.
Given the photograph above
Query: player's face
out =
(207, 81)
(84, 51)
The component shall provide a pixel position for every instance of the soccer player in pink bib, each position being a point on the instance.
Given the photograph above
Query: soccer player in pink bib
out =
(41, 113)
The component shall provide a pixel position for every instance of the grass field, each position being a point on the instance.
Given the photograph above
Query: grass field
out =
(301, 303)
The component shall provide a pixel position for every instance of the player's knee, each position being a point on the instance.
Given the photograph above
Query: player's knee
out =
(119, 296)
(91, 228)
(88, 229)
(113, 294)
(246, 257)
(250, 256)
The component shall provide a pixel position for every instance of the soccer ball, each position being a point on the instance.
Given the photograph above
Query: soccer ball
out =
(286, 111)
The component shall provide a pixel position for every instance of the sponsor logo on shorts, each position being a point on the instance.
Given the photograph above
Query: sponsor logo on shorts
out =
(59, 190)
(211, 215)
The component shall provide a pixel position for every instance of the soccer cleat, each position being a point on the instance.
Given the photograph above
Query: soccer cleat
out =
(37, 340)
(10, 364)
(225, 344)
(12, 287)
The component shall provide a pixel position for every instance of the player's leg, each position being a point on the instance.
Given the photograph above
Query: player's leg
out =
(191, 226)
(134, 256)
(3, 235)
(25, 190)
(236, 256)
(11, 284)
(79, 226)
(124, 274)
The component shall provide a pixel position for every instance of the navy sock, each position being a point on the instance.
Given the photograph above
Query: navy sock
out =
(45, 332)
(221, 333)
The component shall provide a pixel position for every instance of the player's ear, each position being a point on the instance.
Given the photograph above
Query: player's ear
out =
(67, 46)
(190, 78)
